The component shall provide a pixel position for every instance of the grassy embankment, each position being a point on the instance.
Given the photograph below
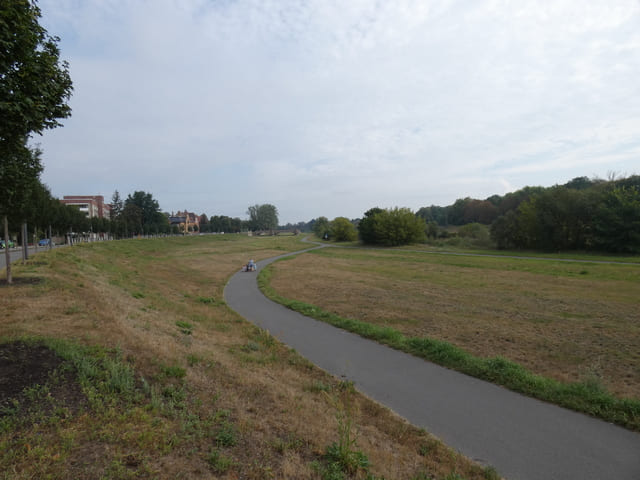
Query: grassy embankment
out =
(157, 378)
(564, 332)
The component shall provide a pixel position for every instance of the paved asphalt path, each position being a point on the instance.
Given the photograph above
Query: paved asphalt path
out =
(523, 438)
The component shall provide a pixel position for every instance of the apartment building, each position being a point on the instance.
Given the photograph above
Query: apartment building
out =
(91, 205)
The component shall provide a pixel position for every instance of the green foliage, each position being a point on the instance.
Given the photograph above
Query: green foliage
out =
(432, 230)
(476, 234)
(322, 227)
(317, 387)
(505, 231)
(435, 214)
(263, 217)
(174, 371)
(223, 223)
(34, 89)
(185, 327)
(34, 85)
(391, 227)
(210, 301)
(219, 463)
(104, 377)
(193, 359)
(454, 476)
(20, 169)
(491, 473)
(341, 457)
(617, 220)
(227, 436)
(141, 214)
(367, 226)
(117, 205)
(582, 215)
(342, 230)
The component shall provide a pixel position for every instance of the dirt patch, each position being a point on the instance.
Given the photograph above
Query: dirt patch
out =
(25, 366)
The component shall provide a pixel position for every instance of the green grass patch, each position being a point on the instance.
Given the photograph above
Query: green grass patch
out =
(210, 301)
(173, 371)
(184, 327)
(219, 463)
(579, 396)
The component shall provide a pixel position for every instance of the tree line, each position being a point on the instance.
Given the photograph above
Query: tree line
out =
(583, 214)
(389, 227)
(35, 87)
(262, 217)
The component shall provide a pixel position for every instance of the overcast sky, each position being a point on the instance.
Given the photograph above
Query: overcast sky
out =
(326, 107)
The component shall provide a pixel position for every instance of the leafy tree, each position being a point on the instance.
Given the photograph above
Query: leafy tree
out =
(476, 231)
(117, 225)
(512, 200)
(556, 219)
(223, 223)
(505, 231)
(434, 213)
(35, 85)
(133, 218)
(145, 202)
(116, 205)
(19, 172)
(480, 211)
(34, 89)
(342, 230)
(322, 227)
(391, 227)
(263, 217)
(40, 208)
(19, 175)
(432, 230)
(367, 226)
(617, 221)
(151, 218)
(580, 183)
(455, 212)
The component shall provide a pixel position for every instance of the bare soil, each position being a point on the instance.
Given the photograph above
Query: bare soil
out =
(26, 366)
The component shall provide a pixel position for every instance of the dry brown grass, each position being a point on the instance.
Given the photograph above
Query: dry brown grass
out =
(568, 321)
(130, 295)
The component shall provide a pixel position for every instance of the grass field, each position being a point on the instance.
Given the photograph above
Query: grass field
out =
(575, 322)
(152, 376)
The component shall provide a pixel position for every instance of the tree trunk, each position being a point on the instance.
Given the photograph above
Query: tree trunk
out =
(25, 244)
(7, 256)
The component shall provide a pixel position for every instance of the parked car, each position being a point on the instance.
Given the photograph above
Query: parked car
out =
(11, 244)
(44, 242)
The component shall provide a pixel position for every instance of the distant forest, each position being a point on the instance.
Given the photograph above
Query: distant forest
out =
(583, 214)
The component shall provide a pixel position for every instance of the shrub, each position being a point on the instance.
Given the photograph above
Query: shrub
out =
(342, 230)
(391, 227)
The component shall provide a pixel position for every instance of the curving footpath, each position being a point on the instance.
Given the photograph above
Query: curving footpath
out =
(523, 438)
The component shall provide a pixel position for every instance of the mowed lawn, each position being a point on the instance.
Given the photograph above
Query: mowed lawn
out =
(570, 321)
(168, 382)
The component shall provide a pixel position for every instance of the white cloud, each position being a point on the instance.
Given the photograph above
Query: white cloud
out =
(329, 108)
